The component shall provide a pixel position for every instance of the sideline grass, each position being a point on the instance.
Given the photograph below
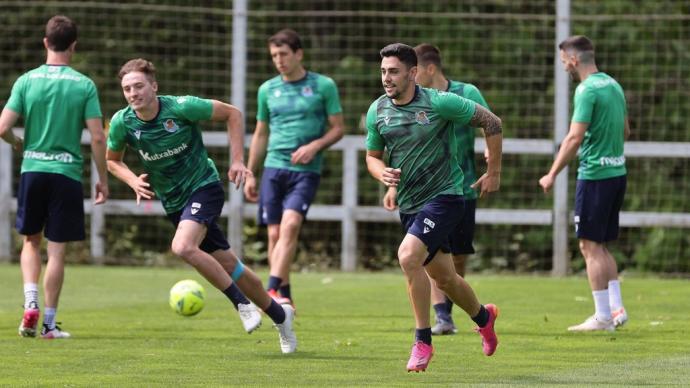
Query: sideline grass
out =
(353, 330)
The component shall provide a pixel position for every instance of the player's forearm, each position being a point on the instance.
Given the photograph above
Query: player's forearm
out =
(376, 167)
(121, 171)
(495, 146)
(98, 156)
(7, 120)
(566, 153)
(491, 123)
(257, 151)
(329, 138)
(235, 128)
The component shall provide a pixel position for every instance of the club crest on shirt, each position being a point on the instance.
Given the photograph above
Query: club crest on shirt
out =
(307, 91)
(421, 118)
(170, 126)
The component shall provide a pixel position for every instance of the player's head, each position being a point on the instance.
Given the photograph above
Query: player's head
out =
(138, 81)
(61, 34)
(398, 69)
(286, 51)
(575, 52)
(428, 64)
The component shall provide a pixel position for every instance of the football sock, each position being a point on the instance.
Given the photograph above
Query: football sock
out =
(423, 335)
(601, 304)
(482, 317)
(274, 283)
(615, 298)
(275, 312)
(285, 291)
(441, 312)
(235, 295)
(449, 307)
(49, 318)
(30, 295)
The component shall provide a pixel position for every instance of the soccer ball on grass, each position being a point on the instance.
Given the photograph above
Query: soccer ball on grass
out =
(187, 297)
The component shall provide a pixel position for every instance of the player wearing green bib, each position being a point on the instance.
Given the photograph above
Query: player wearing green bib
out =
(599, 127)
(55, 102)
(295, 110)
(417, 127)
(164, 133)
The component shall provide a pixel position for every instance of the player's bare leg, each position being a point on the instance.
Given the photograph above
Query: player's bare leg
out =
(600, 268)
(30, 260)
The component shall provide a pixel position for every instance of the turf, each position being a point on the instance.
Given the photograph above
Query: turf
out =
(353, 329)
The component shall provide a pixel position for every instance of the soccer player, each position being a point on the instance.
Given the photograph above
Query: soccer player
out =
(298, 116)
(417, 125)
(599, 127)
(430, 75)
(56, 102)
(164, 133)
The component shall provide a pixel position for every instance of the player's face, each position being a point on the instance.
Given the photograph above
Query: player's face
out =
(569, 62)
(396, 77)
(139, 91)
(286, 61)
(424, 76)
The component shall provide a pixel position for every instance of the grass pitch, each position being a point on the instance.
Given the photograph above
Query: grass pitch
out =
(353, 330)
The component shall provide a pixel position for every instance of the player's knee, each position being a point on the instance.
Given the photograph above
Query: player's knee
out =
(273, 234)
(290, 226)
(588, 248)
(33, 240)
(408, 258)
(182, 248)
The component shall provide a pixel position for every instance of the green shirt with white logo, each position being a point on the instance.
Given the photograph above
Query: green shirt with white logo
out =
(170, 147)
(297, 113)
(600, 102)
(55, 101)
(465, 136)
(421, 141)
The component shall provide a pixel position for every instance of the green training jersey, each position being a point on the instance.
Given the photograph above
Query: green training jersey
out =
(600, 102)
(169, 147)
(465, 137)
(420, 139)
(55, 101)
(297, 113)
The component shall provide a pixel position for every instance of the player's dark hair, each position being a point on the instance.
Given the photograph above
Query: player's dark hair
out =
(579, 45)
(288, 37)
(140, 65)
(401, 51)
(428, 54)
(61, 32)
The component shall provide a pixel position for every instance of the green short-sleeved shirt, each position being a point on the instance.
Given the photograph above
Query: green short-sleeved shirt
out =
(170, 147)
(420, 139)
(55, 101)
(297, 113)
(600, 102)
(465, 136)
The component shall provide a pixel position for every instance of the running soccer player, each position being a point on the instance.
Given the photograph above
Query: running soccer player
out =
(416, 126)
(56, 102)
(598, 128)
(298, 117)
(164, 133)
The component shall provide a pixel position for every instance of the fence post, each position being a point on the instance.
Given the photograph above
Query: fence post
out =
(97, 222)
(561, 261)
(348, 256)
(5, 201)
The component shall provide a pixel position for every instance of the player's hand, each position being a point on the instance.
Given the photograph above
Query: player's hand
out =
(304, 154)
(250, 192)
(102, 192)
(141, 188)
(238, 173)
(390, 199)
(488, 183)
(546, 183)
(18, 144)
(390, 176)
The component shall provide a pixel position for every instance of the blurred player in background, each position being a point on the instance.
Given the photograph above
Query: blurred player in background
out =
(56, 102)
(430, 75)
(164, 133)
(598, 128)
(298, 117)
(417, 127)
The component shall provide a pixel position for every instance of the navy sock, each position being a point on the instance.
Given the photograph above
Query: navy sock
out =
(441, 312)
(276, 312)
(285, 291)
(274, 283)
(235, 295)
(482, 317)
(423, 335)
(449, 306)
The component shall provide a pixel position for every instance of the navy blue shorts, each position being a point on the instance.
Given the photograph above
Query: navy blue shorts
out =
(597, 207)
(53, 203)
(204, 207)
(283, 189)
(463, 236)
(435, 223)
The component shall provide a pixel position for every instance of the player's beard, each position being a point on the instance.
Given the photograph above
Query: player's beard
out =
(574, 75)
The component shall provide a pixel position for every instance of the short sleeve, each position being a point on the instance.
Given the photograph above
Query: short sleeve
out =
(194, 108)
(16, 100)
(331, 98)
(452, 107)
(473, 93)
(583, 105)
(262, 113)
(93, 105)
(116, 133)
(375, 141)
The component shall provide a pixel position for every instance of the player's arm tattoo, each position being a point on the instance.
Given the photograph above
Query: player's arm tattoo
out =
(487, 120)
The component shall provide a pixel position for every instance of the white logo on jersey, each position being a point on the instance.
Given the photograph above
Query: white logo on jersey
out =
(170, 126)
(137, 134)
(165, 154)
(181, 100)
(307, 92)
(195, 207)
(276, 93)
(386, 120)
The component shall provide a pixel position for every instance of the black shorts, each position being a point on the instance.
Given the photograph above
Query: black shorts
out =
(204, 207)
(435, 223)
(53, 203)
(284, 189)
(463, 236)
(597, 207)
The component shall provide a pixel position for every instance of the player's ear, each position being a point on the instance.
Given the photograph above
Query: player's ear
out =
(299, 54)
(413, 73)
(45, 43)
(154, 86)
